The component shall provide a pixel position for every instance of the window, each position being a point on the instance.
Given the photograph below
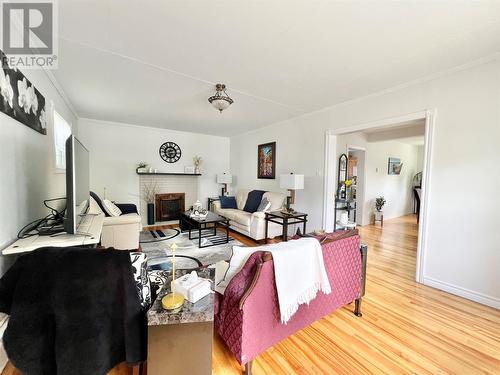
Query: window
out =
(62, 130)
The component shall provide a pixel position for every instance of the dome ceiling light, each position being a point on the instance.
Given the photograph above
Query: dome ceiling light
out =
(220, 100)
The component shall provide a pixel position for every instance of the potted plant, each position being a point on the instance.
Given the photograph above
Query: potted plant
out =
(141, 167)
(149, 196)
(379, 204)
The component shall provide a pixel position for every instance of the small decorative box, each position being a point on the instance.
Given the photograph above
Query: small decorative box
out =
(192, 287)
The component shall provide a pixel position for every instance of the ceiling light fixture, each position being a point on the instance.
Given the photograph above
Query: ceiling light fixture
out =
(220, 100)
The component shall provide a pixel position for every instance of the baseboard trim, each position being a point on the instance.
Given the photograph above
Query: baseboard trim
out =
(463, 292)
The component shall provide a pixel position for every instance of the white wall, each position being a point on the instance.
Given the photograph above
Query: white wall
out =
(396, 189)
(116, 149)
(299, 149)
(420, 158)
(27, 173)
(463, 255)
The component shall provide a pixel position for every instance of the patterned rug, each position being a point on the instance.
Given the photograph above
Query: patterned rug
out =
(156, 244)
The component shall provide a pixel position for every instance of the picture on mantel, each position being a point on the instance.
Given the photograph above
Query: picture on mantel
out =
(20, 99)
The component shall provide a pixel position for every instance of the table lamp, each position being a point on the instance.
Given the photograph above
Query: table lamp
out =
(291, 182)
(225, 179)
(172, 300)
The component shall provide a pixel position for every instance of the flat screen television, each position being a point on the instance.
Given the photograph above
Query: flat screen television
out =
(77, 183)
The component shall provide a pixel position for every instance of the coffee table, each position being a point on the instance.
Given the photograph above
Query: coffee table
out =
(188, 223)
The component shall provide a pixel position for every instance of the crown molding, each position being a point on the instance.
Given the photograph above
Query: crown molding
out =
(61, 91)
(142, 127)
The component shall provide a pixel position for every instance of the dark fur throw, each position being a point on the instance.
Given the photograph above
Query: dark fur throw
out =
(73, 311)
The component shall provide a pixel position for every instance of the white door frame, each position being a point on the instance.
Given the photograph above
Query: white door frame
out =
(331, 171)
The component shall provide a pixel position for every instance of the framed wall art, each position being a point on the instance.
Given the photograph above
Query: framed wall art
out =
(20, 99)
(394, 166)
(266, 160)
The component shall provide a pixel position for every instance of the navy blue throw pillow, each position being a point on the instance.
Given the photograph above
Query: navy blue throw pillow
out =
(253, 200)
(228, 202)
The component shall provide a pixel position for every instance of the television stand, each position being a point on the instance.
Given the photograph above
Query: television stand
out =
(88, 234)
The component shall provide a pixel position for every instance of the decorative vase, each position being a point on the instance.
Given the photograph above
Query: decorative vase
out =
(151, 213)
(196, 170)
(378, 215)
(349, 195)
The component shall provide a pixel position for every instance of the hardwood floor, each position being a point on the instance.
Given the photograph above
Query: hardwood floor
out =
(406, 328)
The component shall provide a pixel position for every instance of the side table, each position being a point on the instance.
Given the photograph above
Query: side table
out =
(378, 216)
(285, 219)
(180, 342)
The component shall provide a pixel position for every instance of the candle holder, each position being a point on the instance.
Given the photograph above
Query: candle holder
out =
(172, 300)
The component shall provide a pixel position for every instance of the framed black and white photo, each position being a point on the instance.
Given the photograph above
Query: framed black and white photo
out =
(20, 99)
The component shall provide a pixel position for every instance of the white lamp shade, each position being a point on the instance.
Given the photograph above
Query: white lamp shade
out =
(224, 178)
(292, 181)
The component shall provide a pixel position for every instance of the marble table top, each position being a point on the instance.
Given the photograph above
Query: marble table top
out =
(201, 311)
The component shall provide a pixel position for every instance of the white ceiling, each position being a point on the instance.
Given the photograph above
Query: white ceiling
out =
(154, 62)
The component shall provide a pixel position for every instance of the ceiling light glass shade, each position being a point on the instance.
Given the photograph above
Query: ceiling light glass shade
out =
(220, 104)
(220, 100)
(292, 181)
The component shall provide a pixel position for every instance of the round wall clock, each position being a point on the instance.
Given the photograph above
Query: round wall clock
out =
(170, 152)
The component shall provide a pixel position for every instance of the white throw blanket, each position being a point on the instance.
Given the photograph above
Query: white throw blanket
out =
(300, 272)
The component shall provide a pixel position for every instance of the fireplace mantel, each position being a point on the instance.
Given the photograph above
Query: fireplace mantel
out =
(167, 174)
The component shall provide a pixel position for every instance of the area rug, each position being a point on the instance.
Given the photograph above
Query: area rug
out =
(156, 244)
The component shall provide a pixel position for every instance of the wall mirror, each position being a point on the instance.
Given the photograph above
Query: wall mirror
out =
(341, 176)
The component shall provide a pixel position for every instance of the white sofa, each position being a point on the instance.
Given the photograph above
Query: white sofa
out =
(252, 224)
(121, 232)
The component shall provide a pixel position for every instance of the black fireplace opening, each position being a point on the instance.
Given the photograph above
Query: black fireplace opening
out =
(169, 206)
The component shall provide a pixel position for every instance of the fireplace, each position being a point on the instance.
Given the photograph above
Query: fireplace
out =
(169, 206)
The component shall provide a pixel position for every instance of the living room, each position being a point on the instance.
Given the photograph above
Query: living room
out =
(202, 172)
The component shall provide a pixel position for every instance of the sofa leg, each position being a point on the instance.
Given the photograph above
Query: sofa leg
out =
(248, 368)
(357, 307)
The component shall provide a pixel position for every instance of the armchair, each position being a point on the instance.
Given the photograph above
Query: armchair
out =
(120, 232)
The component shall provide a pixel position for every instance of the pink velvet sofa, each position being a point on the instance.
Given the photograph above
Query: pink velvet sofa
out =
(247, 316)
